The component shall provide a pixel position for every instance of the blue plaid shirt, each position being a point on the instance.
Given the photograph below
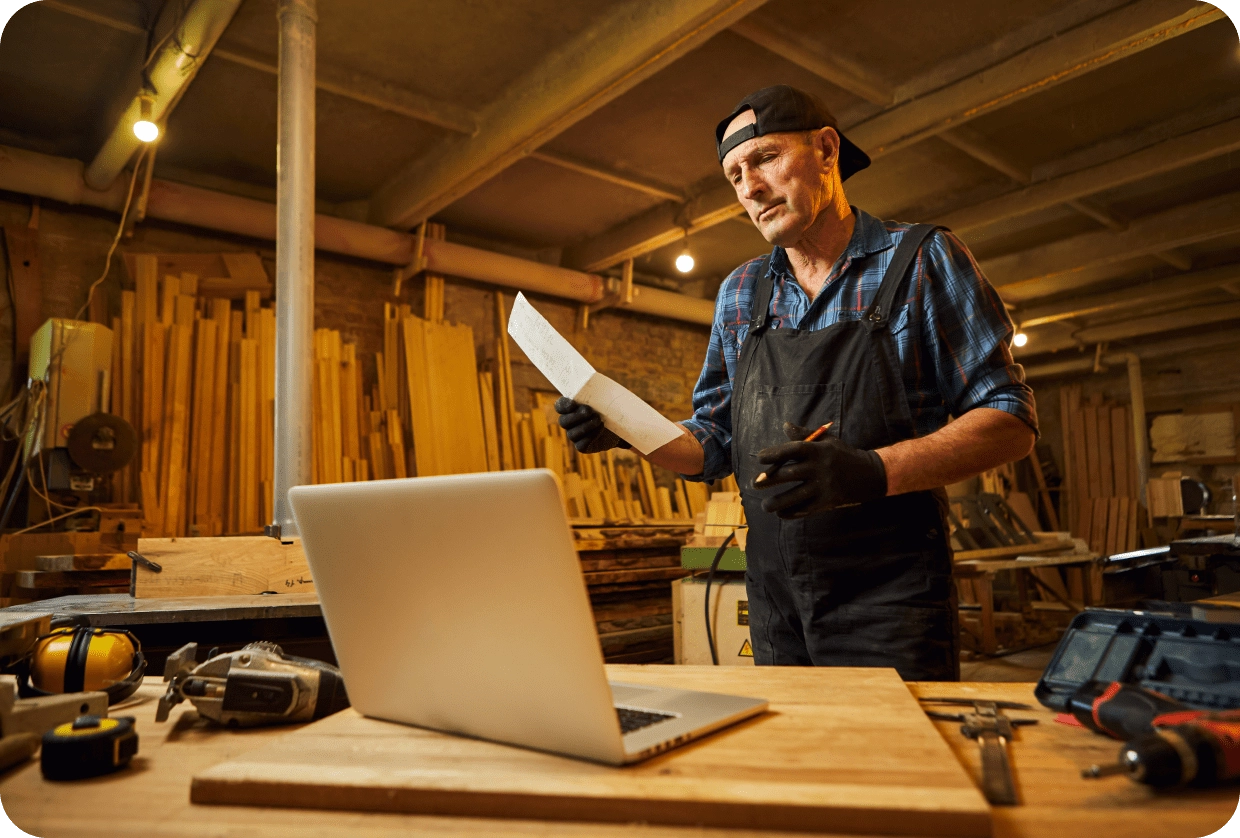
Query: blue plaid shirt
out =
(952, 333)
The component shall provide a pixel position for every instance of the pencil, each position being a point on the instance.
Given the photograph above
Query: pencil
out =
(814, 437)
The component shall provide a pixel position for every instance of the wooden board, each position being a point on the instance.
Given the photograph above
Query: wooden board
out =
(817, 761)
(221, 567)
(84, 561)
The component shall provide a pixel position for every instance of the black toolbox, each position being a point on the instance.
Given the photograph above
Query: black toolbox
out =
(1193, 661)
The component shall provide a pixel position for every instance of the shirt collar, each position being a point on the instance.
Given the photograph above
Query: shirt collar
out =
(869, 236)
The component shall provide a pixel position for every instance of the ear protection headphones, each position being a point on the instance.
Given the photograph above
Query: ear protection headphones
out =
(81, 658)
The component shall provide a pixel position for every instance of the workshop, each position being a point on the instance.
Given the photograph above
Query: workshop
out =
(654, 418)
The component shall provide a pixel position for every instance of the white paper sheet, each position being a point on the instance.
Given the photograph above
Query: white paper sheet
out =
(624, 413)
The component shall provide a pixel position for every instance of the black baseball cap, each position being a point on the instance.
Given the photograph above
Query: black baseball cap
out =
(784, 108)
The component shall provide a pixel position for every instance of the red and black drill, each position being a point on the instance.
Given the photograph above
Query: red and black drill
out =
(1168, 743)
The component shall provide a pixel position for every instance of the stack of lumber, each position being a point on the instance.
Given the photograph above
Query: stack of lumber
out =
(196, 380)
(194, 372)
(1100, 503)
(628, 573)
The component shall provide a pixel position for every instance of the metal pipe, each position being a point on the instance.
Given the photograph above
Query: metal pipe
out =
(60, 179)
(295, 223)
(1140, 437)
(170, 72)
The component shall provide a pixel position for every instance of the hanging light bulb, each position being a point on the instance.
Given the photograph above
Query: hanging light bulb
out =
(684, 262)
(145, 129)
(1020, 339)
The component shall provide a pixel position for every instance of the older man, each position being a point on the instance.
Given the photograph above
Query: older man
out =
(879, 331)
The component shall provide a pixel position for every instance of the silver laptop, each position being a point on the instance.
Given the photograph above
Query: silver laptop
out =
(458, 603)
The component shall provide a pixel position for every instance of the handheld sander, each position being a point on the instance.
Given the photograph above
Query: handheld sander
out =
(256, 685)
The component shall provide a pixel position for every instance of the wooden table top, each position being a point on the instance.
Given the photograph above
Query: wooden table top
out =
(152, 796)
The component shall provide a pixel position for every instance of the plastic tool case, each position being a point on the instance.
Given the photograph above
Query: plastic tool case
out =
(1193, 661)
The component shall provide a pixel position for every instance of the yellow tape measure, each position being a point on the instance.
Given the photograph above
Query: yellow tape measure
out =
(87, 747)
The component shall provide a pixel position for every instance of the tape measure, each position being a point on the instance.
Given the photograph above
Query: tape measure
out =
(87, 747)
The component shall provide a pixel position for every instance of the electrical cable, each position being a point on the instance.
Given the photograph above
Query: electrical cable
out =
(17, 487)
(120, 229)
(710, 577)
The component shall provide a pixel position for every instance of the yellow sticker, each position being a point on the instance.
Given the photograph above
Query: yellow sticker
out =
(746, 650)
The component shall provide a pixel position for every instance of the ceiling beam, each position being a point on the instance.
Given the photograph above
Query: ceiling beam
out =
(1056, 267)
(807, 52)
(360, 88)
(1114, 36)
(628, 44)
(94, 17)
(655, 228)
(1146, 351)
(637, 184)
(1137, 327)
(1032, 60)
(350, 85)
(1165, 290)
(1174, 153)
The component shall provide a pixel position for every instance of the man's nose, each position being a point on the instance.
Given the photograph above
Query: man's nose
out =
(751, 184)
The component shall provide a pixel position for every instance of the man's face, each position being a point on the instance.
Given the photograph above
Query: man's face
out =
(782, 180)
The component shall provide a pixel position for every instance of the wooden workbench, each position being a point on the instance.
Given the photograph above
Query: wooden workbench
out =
(152, 797)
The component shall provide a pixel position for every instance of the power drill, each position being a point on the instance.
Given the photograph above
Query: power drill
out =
(1169, 743)
(256, 685)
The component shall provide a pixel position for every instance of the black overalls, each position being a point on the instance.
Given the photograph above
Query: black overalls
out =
(866, 585)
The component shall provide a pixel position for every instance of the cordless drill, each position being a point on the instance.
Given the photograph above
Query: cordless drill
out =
(1169, 744)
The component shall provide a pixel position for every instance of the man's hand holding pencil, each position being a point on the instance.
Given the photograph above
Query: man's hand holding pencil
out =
(829, 473)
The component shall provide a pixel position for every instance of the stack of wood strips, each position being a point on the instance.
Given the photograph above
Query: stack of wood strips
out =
(1101, 502)
(196, 380)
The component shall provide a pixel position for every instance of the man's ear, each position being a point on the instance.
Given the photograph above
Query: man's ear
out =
(827, 144)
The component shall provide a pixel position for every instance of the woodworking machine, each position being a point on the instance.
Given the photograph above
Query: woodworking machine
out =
(76, 436)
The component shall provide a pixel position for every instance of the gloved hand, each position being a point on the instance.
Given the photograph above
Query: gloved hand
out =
(585, 428)
(829, 473)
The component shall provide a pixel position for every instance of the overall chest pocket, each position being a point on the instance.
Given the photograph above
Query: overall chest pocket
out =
(808, 405)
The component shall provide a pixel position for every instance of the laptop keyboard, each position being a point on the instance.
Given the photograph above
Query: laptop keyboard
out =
(631, 720)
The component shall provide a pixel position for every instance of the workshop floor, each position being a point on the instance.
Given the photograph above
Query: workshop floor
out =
(1026, 666)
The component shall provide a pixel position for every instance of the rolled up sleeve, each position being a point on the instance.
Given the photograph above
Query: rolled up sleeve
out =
(970, 341)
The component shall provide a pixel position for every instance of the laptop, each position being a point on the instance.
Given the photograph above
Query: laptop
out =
(457, 603)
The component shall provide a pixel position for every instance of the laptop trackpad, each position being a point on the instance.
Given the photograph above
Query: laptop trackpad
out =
(632, 695)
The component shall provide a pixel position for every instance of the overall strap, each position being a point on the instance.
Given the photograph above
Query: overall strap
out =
(760, 307)
(901, 260)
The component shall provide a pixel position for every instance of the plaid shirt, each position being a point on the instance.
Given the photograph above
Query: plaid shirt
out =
(952, 334)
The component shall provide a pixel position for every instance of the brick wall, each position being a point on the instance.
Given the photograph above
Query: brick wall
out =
(658, 359)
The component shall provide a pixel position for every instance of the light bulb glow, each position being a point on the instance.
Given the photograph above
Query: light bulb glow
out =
(684, 262)
(1020, 339)
(146, 131)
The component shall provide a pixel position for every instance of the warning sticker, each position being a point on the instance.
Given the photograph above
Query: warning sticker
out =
(742, 612)
(746, 650)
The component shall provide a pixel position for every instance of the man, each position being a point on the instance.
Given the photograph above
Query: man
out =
(878, 330)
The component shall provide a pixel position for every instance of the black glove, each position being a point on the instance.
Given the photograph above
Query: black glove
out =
(585, 427)
(830, 474)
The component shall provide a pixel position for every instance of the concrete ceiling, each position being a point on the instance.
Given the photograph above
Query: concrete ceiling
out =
(610, 151)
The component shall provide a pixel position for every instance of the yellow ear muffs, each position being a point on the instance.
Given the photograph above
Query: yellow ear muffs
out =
(83, 659)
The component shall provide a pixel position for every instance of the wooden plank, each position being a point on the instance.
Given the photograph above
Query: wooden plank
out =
(1089, 418)
(221, 567)
(348, 761)
(199, 475)
(1119, 450)
(1098, 529)
(1106, 471)
(37, 579)
(169, 290)
(486, 399)
(508, 422)
(174, 489)
(1113, 527)
(152, 407)
(129, 390)
(218, 480)
(84, 561)
(247, 449)
(1067, 488)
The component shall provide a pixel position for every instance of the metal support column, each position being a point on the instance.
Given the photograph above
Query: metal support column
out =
(294, 257)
